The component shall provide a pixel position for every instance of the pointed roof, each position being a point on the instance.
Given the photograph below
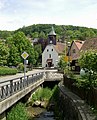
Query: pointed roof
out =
(90, 44)
(79, 43)
(52, 31)
(60, 47)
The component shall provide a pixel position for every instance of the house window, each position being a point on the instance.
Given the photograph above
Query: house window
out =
(47, 50)
(52, 49)
(49, 55)
(74, 51)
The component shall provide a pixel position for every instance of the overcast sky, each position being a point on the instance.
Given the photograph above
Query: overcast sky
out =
(18, 13)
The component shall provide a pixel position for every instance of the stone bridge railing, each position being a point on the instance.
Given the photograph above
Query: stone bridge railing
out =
(53, 76)
(10, 87)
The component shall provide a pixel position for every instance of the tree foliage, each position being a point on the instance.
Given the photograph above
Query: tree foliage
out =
(64, 32)
(18, 112)
(62, 64)
(88, 61)
(19, 43)
(4, 53)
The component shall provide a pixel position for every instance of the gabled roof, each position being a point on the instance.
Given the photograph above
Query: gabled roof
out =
(79, 43)
(52, 31)
(90, 44)
(59, 47)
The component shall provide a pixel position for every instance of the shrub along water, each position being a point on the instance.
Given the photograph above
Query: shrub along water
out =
(42, 94)
(18, 112)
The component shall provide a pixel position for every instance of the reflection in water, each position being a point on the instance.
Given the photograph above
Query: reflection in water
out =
(37, 113)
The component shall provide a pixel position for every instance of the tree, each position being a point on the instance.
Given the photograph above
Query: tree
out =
(42, 35)
(38, 53)
(62, 64)
(14, 58)
(88, 61)
(34, 35)
(19, 43)
(4, 53)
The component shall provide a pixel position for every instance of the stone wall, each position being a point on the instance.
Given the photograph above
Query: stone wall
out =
(72, 107)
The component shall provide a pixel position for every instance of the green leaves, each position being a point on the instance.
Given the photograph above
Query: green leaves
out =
(4, 53)
(62, 64)
(88, 60)
(19, 43)
(18, 112)
(42, 94)
(7, 71)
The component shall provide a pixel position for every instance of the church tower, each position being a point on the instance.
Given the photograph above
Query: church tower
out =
(52, 37)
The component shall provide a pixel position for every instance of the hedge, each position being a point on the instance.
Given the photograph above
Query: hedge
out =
(7, 71)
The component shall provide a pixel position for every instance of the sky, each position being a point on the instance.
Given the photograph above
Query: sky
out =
(15, 14)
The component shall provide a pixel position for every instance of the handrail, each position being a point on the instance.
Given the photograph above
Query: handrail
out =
(10, 87)
(19, 77)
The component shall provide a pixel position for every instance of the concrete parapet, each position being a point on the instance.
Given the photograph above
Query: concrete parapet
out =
(3, 116)
(5, 104)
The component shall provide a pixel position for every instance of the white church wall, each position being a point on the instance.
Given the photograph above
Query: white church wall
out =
(50, 50)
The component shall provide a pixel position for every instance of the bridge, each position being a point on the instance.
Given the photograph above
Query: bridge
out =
(13, 90)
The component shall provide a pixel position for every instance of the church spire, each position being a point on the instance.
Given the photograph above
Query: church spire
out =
(52, 31)
(52, 37)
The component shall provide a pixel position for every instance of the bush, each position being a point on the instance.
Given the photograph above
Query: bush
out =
(8, 71)
(42, 94)
(20, 67)
(18, 112)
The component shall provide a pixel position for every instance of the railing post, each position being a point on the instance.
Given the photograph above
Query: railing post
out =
(11, 87)
(27, 80)
(2, 92)
(47, 75)
(32, 80)
(21, 83)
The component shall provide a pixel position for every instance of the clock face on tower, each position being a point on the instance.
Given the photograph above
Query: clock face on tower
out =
(50, 41)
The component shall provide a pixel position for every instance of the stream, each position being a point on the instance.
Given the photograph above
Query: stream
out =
(37, 113)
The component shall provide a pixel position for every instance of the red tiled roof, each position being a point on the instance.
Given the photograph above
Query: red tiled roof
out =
(59, 47)
(79, 43)
(90, 44)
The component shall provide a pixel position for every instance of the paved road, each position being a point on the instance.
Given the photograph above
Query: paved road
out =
(10, 77)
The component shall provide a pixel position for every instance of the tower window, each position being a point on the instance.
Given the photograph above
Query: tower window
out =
(47, 50)
(52, 49)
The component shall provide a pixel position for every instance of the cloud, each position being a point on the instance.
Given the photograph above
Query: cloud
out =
(15, 14)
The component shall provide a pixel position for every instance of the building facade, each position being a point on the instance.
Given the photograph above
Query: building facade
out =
(74, 52)
(52, 52)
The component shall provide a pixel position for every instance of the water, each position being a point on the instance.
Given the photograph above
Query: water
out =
(46, 116)
(37, 113)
